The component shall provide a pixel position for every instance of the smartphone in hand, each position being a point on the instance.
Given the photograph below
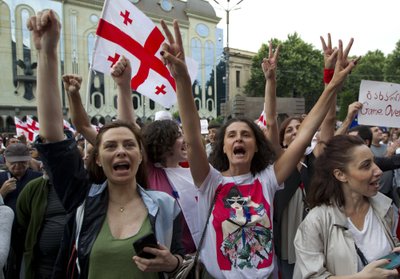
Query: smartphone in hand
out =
(394, 260)
(149, 240)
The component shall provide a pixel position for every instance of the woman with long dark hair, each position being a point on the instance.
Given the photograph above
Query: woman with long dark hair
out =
(351, 225)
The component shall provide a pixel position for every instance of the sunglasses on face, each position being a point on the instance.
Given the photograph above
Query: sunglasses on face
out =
(240, 201)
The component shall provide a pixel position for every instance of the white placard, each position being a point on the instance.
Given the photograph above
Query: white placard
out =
(204, 126)
(381, 104)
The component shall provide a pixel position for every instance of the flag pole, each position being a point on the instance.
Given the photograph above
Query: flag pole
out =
(91, 71)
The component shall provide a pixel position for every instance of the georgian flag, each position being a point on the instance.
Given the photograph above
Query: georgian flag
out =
(32, 124)
(124, 30)
(262, 122)
(22, 129)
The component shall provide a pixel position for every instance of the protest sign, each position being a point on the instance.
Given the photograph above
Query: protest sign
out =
(381, 104)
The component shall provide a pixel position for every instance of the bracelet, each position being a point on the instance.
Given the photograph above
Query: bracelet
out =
(328, 74)
(177, 266)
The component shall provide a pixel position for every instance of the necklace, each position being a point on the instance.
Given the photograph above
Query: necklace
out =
(121, 207)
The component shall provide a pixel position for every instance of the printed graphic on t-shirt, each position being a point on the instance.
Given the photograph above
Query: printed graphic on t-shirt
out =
(243, 226)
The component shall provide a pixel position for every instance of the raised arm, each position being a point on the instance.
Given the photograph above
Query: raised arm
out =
(287, 162)
(269, 66)
(174, 56)
(328, 125)
(79, 117)
(121, 74)
(45, 29)
(351, 114)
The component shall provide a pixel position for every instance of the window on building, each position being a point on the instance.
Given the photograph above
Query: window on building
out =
(196, 48)
(210, 105)
(152, 105)
(209, 63)
(94, 121)
(26, 36)
(90, 46)
(97, 100)
(237, 78)
(135, 102)
(197, 103)
(115, 101)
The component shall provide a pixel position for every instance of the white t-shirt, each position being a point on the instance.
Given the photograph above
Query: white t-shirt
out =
(238, 241)
(371, 240)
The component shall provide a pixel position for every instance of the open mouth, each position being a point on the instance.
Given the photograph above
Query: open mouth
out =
(123, 166)
(375, 184)
(239, 151)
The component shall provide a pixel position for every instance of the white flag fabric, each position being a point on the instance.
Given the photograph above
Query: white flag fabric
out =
(124, 30)
(181, 181)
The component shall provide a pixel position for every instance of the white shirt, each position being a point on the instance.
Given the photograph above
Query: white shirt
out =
(238, 241)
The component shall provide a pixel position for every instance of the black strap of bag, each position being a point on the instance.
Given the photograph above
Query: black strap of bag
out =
(361, 255)
(205, 227)
(190, 268)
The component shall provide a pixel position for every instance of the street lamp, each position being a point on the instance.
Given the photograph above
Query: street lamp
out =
(227, 10)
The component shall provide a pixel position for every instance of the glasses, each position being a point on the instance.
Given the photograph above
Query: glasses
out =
(240, 201)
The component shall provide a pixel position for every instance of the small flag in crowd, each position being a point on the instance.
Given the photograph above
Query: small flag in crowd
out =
(32, 124)
(124, 30)
(23, 129)
(262, 122)
(30, 128)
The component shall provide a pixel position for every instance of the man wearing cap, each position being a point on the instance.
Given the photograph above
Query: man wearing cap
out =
(18, 173)
(12, 182)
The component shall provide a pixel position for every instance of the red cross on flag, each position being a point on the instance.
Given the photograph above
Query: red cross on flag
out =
(22, 128)
(124, 30)
(32, 124)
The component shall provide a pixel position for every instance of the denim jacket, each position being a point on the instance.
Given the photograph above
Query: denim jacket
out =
(86, 205)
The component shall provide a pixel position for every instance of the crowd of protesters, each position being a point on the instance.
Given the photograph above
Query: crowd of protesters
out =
(297, 199)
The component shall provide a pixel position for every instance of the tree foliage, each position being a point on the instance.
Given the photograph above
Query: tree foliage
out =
(392, 67)
(299, 71)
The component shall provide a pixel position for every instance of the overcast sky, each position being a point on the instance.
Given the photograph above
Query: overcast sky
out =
(373, 24)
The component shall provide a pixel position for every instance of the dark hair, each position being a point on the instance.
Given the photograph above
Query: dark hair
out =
(325, 188)
(284, 125)
(262, 158)
(159, 138)
(233, 192)
(364, 132)
(96, 173)
(213, 125)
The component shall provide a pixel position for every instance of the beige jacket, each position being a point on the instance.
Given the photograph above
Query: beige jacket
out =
(324, 246)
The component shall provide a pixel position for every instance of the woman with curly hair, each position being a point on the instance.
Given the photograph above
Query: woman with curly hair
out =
(165, 148)
(242, 158)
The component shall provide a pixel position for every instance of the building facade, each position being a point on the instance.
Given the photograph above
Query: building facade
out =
(79, 18)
